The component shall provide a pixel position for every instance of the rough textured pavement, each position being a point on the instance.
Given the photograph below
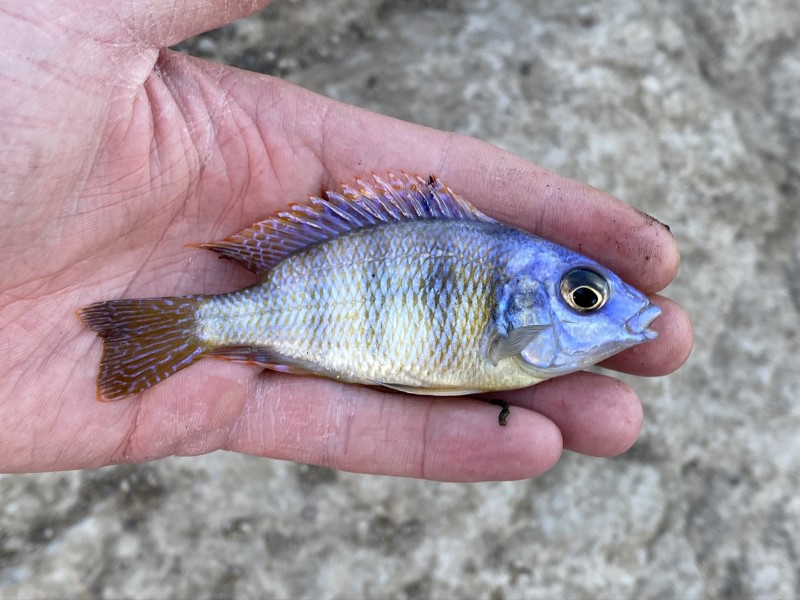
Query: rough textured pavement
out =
(688, 110)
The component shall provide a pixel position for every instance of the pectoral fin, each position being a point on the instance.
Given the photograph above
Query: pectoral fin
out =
(506, 346)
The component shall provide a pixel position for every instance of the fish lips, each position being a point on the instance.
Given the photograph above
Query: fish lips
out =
(638, 324)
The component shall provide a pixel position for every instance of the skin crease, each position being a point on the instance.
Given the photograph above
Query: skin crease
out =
(117, 153)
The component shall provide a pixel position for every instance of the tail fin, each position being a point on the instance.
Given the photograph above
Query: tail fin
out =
(144, 341)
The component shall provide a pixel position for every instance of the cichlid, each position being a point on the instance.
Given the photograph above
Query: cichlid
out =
(399, 283)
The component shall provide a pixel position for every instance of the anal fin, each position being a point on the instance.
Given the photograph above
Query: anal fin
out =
(263, 357)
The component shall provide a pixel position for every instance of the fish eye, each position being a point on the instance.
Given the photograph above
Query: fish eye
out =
(584, 290)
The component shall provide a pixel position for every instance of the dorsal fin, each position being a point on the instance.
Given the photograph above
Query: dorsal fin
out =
(262, 246)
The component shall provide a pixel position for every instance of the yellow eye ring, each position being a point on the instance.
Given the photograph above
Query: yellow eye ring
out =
(584, 290)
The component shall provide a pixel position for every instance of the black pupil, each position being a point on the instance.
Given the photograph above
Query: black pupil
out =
(585, 297)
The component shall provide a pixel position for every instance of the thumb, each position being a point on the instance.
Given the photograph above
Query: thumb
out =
(166, 22)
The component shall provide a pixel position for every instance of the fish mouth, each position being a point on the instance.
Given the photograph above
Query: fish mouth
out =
(638, 323)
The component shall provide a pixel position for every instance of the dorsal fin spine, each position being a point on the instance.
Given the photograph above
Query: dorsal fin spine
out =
(391, 191)
(340, 205)
(447, 208)
(375, 211)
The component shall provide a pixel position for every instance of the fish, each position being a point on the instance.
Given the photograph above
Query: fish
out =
(398, 282)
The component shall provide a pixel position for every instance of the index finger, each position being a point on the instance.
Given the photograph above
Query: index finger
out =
(636, 246)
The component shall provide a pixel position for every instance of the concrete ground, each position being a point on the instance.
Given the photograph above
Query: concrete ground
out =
(688, 110)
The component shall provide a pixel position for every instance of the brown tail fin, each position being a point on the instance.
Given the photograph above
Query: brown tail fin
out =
(144, 341)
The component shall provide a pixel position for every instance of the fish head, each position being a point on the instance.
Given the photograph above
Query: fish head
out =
(580, 311)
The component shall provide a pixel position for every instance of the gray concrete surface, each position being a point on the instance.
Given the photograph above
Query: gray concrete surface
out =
(690, 111)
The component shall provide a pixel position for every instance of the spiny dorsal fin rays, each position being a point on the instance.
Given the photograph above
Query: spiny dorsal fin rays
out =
(260, 247)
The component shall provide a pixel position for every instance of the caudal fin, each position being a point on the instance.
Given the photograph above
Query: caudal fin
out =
(144, 341)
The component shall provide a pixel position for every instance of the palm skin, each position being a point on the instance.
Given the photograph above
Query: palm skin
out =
(118, 153)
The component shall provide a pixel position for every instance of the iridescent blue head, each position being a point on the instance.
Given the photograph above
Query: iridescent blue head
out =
(564, 312)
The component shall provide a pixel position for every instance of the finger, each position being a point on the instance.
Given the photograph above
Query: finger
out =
(358, 429)
(351, 428)
(344, 141)
(166, 22)
(640, 249)
(597, 415)
(636, 246)
(348, 141)
(232, 406)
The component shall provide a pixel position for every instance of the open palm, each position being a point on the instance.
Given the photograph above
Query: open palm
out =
(117, 153)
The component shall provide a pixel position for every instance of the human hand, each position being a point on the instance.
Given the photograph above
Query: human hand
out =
(118, 153)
